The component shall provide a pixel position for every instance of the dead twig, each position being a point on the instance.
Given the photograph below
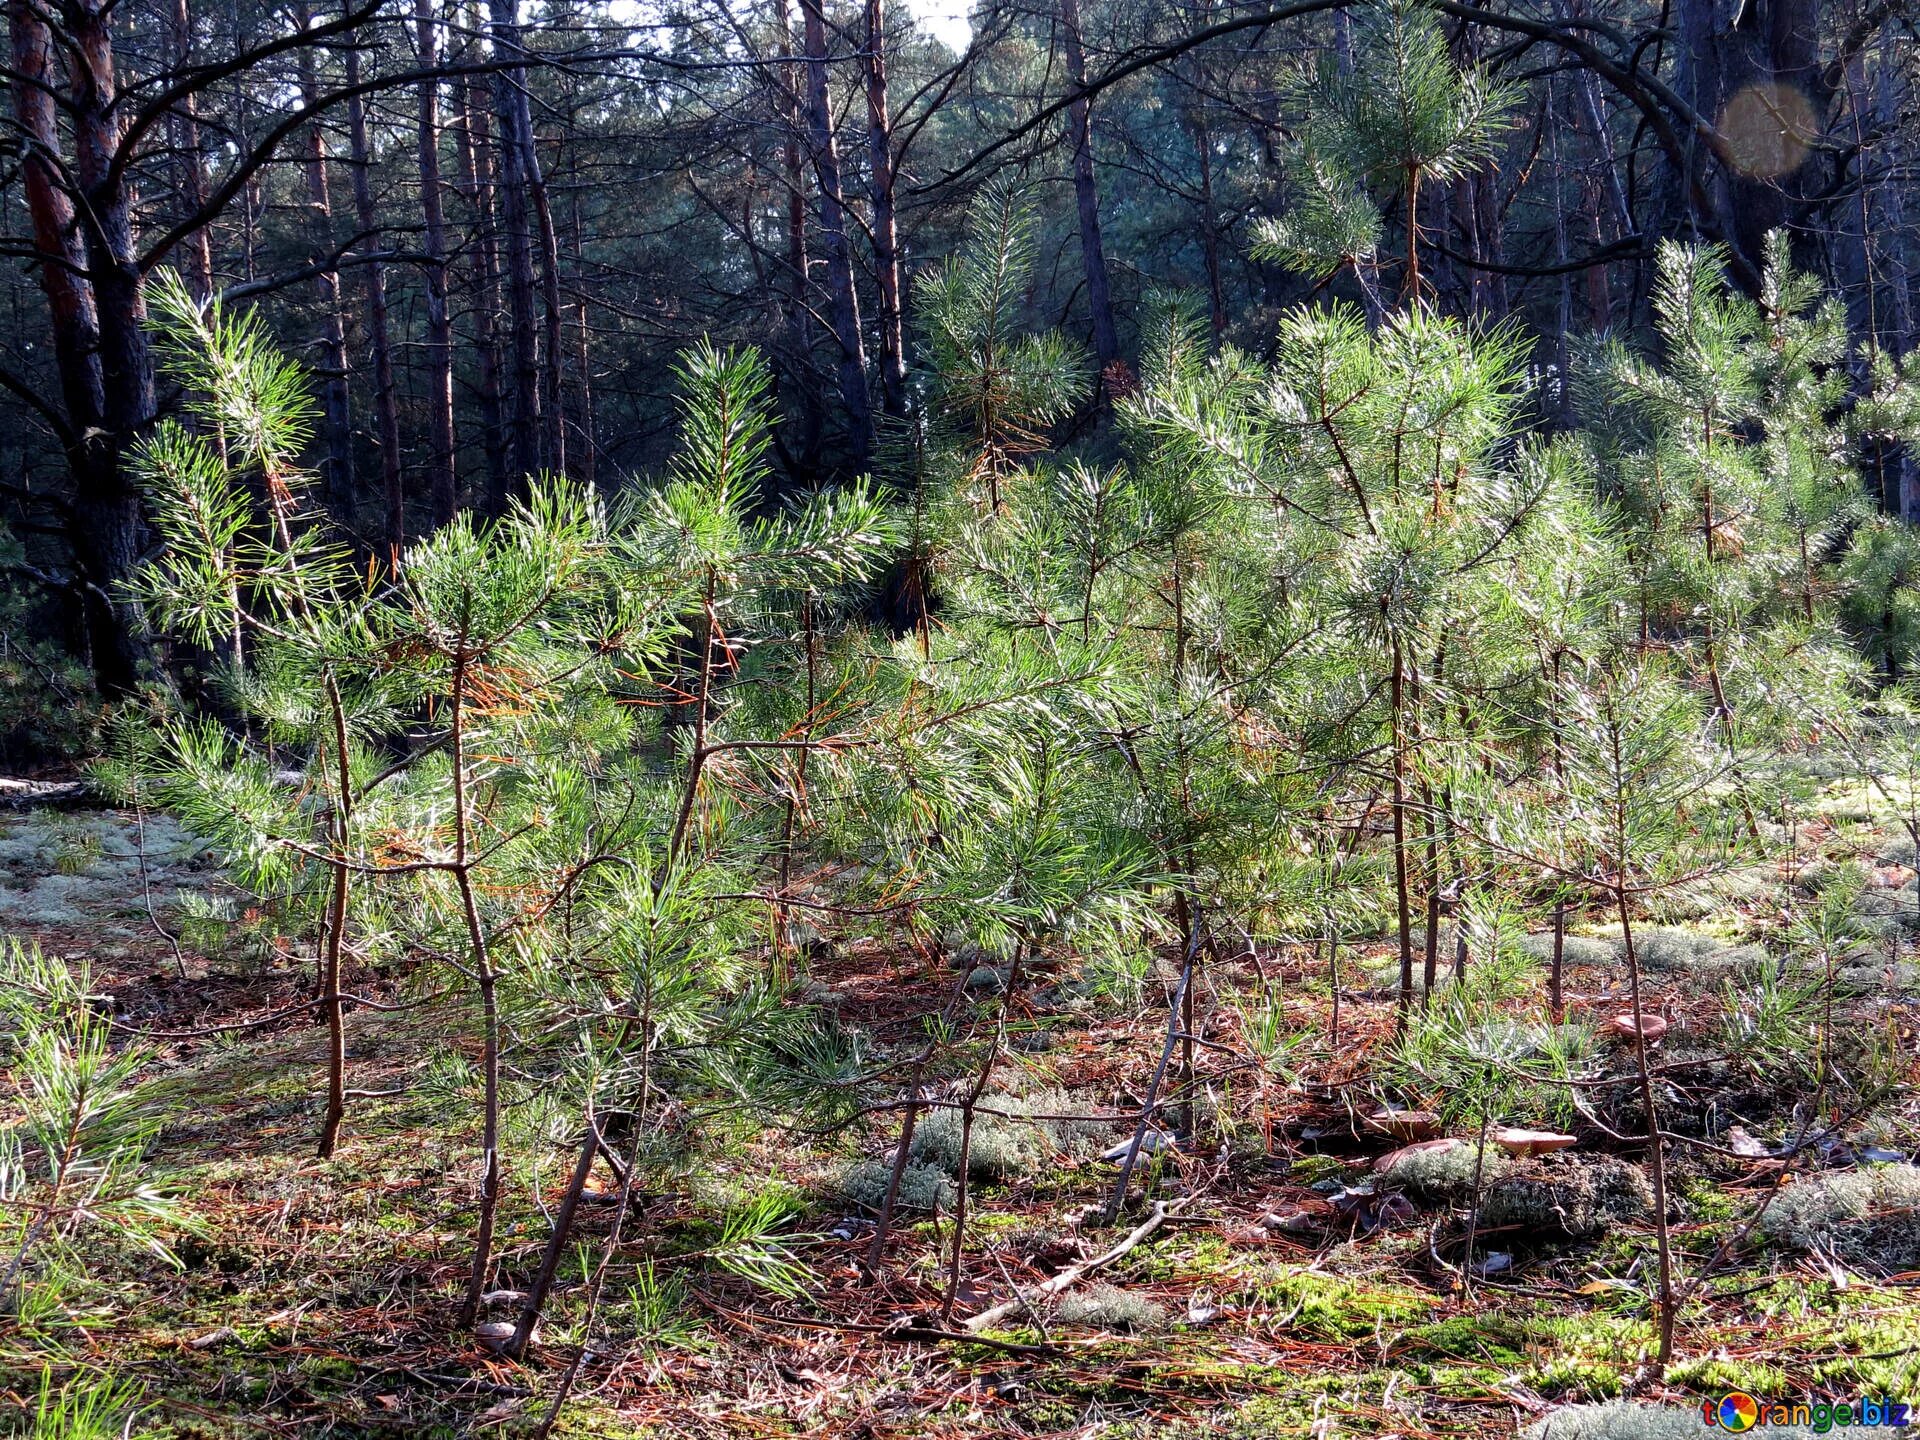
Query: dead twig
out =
(1073, 1274)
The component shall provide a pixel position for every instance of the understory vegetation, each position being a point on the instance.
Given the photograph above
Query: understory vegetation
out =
(1329, 906)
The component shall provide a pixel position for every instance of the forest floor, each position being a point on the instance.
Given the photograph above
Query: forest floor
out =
(1292, 1290)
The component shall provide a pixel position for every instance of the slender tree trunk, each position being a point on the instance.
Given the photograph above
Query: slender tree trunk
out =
(1556, 995)
(845, 307)
(886, 243)
(583, 353)
(336, 464)
(1209, 228)
(476, 184)
(442, 493)
(482, 965)
(333, 956)
(553, 399)
(1086, 193)
(799, 310)
(386, 403)
(1657, 1145)
(183, 131)
(1402, 910)
(515, 119)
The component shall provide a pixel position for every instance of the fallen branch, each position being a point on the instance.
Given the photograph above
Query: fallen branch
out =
(1073, 1274)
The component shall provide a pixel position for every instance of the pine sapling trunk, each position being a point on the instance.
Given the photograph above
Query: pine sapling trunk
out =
(1556, 999)
(590, 1147)
(1656, 1156)
(1430, 956)
(340, 896)
(330, 993)
(967, 1106)
(489, 1000)
(1402, 910)
(798, 789)
(592, 1143)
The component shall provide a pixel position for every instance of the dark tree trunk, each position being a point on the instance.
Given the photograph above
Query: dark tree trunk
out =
(845, 308)
(107, 525)
(336, 463)
(386, 404)
(515, 118)
(183, 132)
(1086, 193)
(589, 444)
(476, 183)
(799, 308)
(553, 404)
(886, 242)
(104, 527)
(443, 496)
(1209, 227)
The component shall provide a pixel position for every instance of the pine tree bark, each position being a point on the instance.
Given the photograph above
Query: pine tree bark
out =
(104, 528)
(845, 300)
(442, 495)
(1086, 192)
(553, 404)
(799, 306)
(515, 119)
(476, 185)
(886, 241)
(336, 464)
(583, 355)
(1209, 226)
(107, 501)
(183, 133)
(386, 404)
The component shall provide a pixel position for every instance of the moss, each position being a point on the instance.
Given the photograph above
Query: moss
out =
(922, 1187)
(1330, 1306)
(1716, 1374)
(1313, 1169)
(1563, 1195)
(1447, 1173)
(1587, 1354)
(1574, 950)
(1109, 1307)
(1008, 1145)
(1485, 1338)
(1868, 1217)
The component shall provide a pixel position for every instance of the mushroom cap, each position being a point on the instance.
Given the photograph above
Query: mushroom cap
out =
(1648, 1027)
(1516, 1141)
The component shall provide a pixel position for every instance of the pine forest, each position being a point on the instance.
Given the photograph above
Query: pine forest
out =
(1103, 719)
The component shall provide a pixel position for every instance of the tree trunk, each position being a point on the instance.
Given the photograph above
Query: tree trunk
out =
(800, 327)
(104, 527)
(1086, 193)
(553, 404)
(106, 504)
(183, 133)
(336, 464)
(386, 404)
(442, 494)
(886, 244)
(845, 309)
(1209, 227)
(589, 444)
(515, 119)
(476, 183)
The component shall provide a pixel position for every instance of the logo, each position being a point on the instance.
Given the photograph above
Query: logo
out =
(1737, 1412)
